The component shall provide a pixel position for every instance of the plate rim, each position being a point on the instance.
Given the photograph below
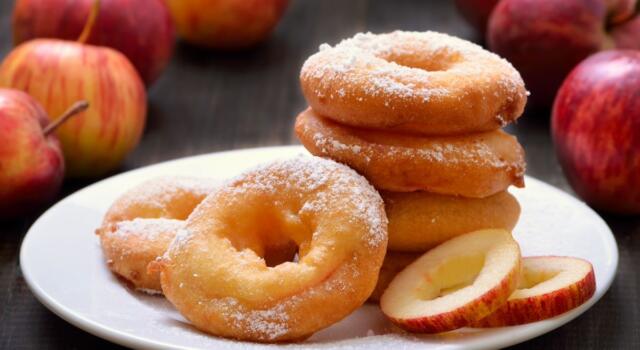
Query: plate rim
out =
(131, 340)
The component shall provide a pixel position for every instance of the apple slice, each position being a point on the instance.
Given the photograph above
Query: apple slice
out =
(549, 286)
(456, 283)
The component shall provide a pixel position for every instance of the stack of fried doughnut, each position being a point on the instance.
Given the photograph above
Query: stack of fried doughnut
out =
(291, 247)
(419, 115)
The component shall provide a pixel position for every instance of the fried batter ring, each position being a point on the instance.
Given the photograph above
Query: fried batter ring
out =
(419, 221)
(142, 222)
(427, 83)
(474, 166)
(218, 274)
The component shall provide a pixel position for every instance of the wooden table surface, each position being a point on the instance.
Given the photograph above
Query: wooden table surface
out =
(211, 101)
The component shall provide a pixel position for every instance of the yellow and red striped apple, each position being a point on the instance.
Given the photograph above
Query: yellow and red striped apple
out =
(457, 283)
(57, 73)
(226, 24)
(549, 286)
(141, 29)
(31, 160)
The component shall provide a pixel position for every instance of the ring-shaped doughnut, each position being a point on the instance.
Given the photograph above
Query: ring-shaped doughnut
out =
(142, 222)
(217, 273)
(475, 166)
(417, 82)
(419, 221)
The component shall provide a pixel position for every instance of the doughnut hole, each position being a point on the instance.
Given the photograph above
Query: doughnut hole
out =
(437, 61)
(274, 235)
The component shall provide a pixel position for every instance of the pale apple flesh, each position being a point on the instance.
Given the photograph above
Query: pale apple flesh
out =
(549, 286)
(454, 284)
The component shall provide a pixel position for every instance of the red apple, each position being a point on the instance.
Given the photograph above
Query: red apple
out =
(141, 29)
(454, 284)
(548, 286)
(596, 130)
(226, 24)
(31, 161)
(545, 39)
(58, 73)
(476, 12)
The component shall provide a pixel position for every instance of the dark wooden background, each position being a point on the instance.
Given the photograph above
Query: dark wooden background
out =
(211, 101)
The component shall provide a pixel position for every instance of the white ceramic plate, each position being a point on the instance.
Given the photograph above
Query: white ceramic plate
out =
(63, 265)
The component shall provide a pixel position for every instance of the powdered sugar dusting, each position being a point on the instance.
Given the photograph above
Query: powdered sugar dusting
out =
(272, 322)
(147, 228)
(324, 46)
(298, 186)
(334, 145)
(335, 142)
(338, 186)
(373, 66)
(149, 291)
(157, 192)
(388, 78)
(179, 241)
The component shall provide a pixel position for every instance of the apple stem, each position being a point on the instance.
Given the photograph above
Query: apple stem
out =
(88, 26)
(73, 110)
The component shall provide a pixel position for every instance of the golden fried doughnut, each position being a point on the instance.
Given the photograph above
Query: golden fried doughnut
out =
(217, 274)
(419, 82)
(130, 245)
(419, 221)
(394, 262)
(142, 222)
(475, 166)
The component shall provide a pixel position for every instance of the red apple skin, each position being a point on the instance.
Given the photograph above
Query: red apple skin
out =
(141, 29)
(57, 73)
(226, 24)
(31, 164)
(595, 128)
(538, 308)
(545, 39)
(476, 13)
(484, 305)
